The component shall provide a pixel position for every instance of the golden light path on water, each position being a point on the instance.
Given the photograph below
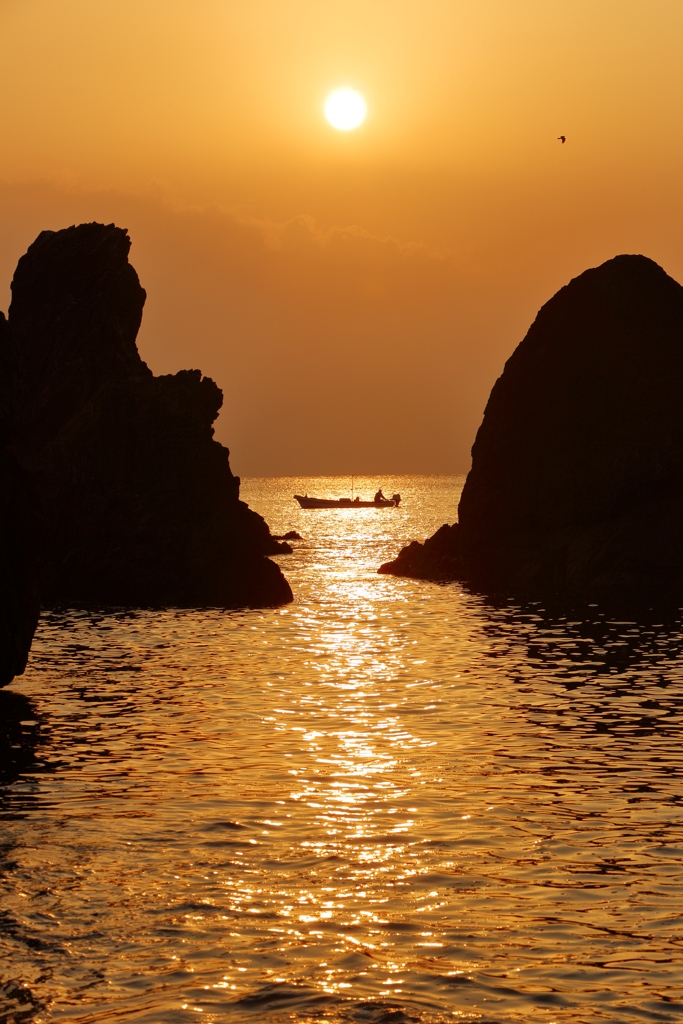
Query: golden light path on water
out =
(388, 802)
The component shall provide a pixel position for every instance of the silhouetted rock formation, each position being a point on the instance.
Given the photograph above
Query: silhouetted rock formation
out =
(577, 469)
(18, 518)
(139, 502)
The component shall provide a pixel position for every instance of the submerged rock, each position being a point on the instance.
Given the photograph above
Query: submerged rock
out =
(140, 505)
(577, 469)
(19, 735)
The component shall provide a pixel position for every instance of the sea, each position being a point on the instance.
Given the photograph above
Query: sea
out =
(391, 801)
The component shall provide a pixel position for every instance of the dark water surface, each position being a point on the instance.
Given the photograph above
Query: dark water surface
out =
(388, 802)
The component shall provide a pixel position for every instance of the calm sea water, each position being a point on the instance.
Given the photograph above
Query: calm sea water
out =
(390, 801)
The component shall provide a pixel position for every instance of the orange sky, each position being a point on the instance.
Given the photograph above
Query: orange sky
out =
(354, 294)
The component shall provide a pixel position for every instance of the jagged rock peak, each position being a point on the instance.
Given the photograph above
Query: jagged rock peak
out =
(140, 504)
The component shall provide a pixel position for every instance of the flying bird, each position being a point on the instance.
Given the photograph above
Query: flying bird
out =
(562, 139)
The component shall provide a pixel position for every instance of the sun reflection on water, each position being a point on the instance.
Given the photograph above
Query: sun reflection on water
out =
(387, 802)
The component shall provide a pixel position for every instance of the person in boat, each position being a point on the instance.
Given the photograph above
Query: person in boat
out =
(379, 496)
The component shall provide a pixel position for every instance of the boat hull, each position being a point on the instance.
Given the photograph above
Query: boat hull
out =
(306, 502)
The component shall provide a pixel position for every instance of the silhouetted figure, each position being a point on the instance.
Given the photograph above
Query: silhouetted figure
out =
(379, 496)
(562, 139)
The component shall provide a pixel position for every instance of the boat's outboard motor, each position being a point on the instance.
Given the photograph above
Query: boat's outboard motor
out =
(396, 498)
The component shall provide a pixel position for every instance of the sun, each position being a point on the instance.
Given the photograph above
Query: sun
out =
(345, 109)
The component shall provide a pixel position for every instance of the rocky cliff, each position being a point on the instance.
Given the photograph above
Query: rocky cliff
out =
(138, 500)
(18, 528)
(576, 483)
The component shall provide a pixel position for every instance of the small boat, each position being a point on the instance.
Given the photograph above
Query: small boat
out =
(307, 502)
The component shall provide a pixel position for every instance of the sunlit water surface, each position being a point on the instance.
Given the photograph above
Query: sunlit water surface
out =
(387, 802)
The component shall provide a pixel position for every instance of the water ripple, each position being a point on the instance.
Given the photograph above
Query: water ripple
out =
(389, 802)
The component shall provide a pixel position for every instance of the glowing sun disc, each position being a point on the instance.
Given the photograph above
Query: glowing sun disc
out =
(345, 109)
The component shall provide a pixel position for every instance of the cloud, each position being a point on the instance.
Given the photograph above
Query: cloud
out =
(335, 348)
